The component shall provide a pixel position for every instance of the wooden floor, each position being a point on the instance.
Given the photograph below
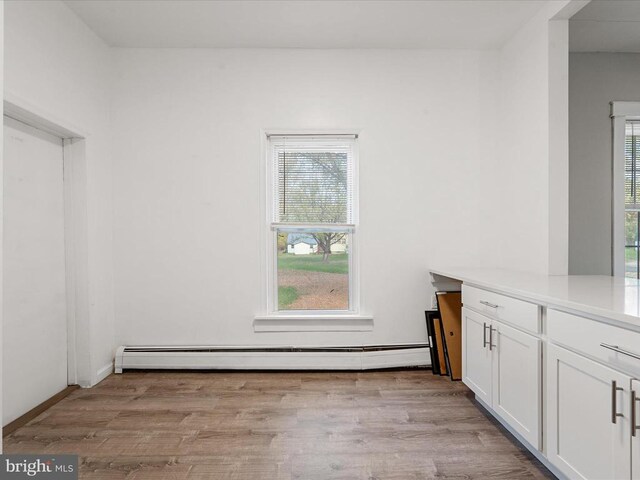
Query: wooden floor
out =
(402, 425)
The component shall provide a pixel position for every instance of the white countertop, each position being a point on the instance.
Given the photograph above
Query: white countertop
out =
(615, 299)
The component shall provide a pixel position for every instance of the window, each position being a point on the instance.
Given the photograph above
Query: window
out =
(625, 212)
(632, 198)
(312, 223)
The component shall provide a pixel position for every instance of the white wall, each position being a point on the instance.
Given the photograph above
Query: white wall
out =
(532, 142)
(524, 148)
(436, 172)
(55, 64)
(595, 80)
(187, 154)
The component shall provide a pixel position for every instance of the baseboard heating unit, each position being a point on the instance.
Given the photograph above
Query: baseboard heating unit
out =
(271, 358)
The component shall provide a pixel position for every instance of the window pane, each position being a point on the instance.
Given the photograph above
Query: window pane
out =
(631, 167)
(631, 228)
(314, 182)
(631, 262)
(632, 197)
(313, 270)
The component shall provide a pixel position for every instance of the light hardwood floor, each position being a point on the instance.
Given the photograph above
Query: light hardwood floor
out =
(400, 424)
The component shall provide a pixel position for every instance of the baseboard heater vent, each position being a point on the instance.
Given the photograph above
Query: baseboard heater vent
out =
(271, 358)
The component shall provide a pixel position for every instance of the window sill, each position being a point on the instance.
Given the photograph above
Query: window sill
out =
(313, 323)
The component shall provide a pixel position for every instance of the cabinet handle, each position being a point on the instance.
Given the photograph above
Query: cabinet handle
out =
(614, 395)
(484, 335)
(634, 426)
(489, 304)
(617, 349)
(491, 345)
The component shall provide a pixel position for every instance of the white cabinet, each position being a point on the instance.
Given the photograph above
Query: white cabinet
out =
(525, 315)
(634, 419)
(586, 425)
(588, 428)
(502, 366)
(476, 356)
(517, 363)
(589, 337)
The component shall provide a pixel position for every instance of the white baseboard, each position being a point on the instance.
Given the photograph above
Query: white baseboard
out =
(275, 360)
(414, 357)
(104, 372)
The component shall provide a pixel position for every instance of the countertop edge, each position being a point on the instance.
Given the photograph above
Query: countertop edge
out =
(628, 322)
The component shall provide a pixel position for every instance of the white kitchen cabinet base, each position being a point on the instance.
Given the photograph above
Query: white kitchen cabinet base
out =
(502, 365)
(564, 386)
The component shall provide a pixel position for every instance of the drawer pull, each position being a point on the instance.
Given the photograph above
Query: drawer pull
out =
(489, 304)
(484, 335)
(614, 396)
(634, 401)
(617, 349)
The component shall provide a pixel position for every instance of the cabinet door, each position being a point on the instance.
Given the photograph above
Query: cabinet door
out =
(588, 417)
(517, 364)
(635, 431)
(476, 355)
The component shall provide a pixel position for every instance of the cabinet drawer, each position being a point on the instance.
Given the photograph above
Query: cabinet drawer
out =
(523, 314)
(585, 336)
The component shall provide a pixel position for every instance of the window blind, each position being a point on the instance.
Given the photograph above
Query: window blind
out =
(314, 179)
(632, 166)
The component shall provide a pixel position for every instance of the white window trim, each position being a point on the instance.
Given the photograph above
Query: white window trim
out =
(273, 319)
(620, 113)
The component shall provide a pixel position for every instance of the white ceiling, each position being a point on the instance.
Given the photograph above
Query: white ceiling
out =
(434, 24)
(606, 26)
